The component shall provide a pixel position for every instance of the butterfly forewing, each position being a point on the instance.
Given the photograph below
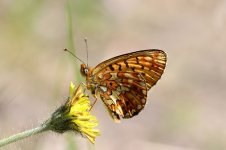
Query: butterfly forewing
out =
(149, 63)
(122, 82)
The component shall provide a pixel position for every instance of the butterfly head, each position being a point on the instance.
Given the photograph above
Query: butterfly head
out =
(84, 70)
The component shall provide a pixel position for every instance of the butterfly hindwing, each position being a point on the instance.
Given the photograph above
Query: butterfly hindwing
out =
(124, 93)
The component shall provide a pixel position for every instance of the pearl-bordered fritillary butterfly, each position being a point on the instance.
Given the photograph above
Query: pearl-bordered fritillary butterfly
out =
(122, 82)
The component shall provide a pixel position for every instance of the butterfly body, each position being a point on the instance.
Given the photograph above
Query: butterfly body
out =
(122, 82)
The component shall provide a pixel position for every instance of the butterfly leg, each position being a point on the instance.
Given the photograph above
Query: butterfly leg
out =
(83, 84)
(93, 104)
(95, 95)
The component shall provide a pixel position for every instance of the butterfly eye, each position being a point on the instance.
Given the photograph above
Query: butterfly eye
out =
(86, 70)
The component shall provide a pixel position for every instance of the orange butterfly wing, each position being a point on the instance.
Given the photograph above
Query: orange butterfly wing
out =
(122, 82)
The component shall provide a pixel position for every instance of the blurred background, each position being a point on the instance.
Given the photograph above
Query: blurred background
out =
(186, 110)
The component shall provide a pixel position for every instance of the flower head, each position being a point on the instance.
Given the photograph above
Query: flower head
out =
(75, 115)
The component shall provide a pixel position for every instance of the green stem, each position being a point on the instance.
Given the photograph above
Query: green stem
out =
(70, 33)
(70, 38)
(22, 135)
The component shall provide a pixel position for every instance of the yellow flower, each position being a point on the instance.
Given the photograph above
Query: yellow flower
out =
(75, 115)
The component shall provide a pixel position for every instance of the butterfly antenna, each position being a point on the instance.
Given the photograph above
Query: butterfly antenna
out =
(74, 55)
(87, 56)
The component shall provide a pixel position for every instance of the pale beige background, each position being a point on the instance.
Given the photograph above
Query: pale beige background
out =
(186, 109)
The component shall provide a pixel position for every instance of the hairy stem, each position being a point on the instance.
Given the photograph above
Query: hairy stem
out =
(23, 135)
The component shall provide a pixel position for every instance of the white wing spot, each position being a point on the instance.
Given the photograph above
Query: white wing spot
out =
(100, 76)
(103, 88)
(119, 111)
(144, 92)
(113, 98)
(114, 76)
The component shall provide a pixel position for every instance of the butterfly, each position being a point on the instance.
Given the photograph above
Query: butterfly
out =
(122, 82)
